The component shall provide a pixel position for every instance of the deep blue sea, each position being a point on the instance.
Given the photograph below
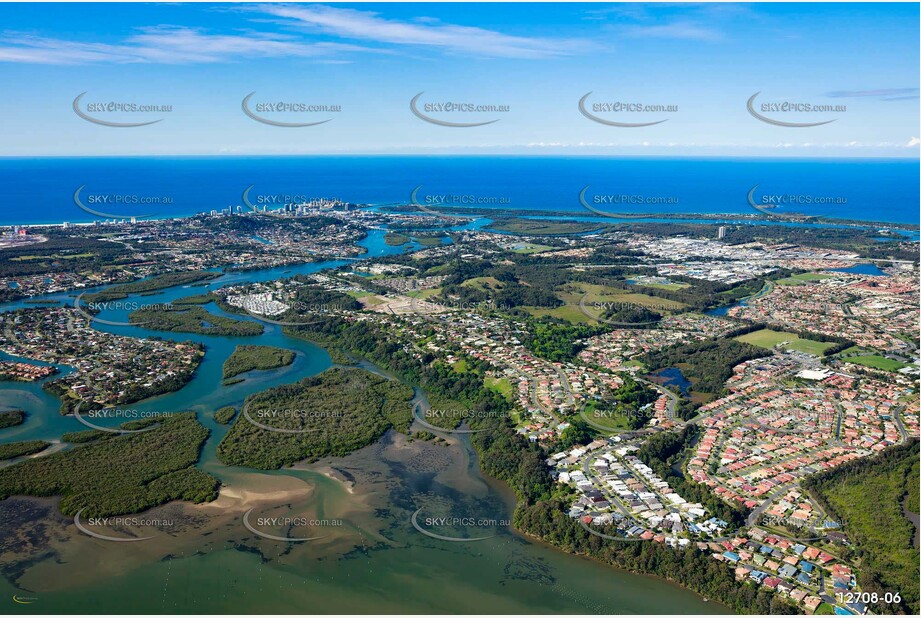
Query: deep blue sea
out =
(41, 190)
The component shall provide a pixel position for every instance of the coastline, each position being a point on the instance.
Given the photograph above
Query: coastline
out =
(490, 213)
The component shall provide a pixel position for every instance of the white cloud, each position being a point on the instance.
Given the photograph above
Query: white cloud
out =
(370, 26)
(164, 45)
(676, 30)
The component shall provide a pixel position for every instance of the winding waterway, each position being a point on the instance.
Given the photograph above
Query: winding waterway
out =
(374, 561)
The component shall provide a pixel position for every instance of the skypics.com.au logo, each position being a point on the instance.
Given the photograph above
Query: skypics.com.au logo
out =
(278, 204)
(429, 203)
(272, 202)
(611, 204)
(597, 310)
(431, 309)
(274, 419)
(790, 205)
(95, 307)
(272, 112)
(105, 112)
(93, 202)
(596, 418)
(438, 112)
(466, 528)
(615, 112)
(772, 112)
(298, 528)
(101, 527)
(457, 417)
(124, 415)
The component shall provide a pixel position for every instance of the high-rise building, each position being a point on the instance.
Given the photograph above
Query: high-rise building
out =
(721, 232)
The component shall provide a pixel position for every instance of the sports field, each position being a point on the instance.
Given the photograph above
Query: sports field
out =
(875, 361)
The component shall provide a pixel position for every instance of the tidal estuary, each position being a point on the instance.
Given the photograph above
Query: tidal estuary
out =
(368, 558)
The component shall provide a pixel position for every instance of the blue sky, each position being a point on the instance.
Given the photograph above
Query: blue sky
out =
(539, 60)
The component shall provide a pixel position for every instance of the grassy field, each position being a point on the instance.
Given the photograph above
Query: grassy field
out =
(664, 286)
(538, 226)
(594, 296)
(55, 256)
(483, 283)
(768, 338)
(651, 282)
(802, 278)
(424, 294)
(501, 386)
(437, 270)
(529, 248)
(875, 361)
(368, 299)
(613, 422)
(570, 313)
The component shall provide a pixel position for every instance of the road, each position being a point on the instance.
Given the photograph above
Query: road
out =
(613, 499)
(672, 398)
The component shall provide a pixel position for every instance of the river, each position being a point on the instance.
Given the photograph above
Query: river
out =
(374, 562)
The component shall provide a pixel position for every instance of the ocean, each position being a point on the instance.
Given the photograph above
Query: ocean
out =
(41, 190)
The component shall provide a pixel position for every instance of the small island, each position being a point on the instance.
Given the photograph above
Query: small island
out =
(12, 418)
(395, 239)
(248, 357)
(225, 415)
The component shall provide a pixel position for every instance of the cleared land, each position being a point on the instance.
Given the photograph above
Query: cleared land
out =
(768, 339)
(802, 278)
(501, 386)
(483, 283)
(570, 313)
(423, 294)
(536, 226)
(528, 248)
(595, 299)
